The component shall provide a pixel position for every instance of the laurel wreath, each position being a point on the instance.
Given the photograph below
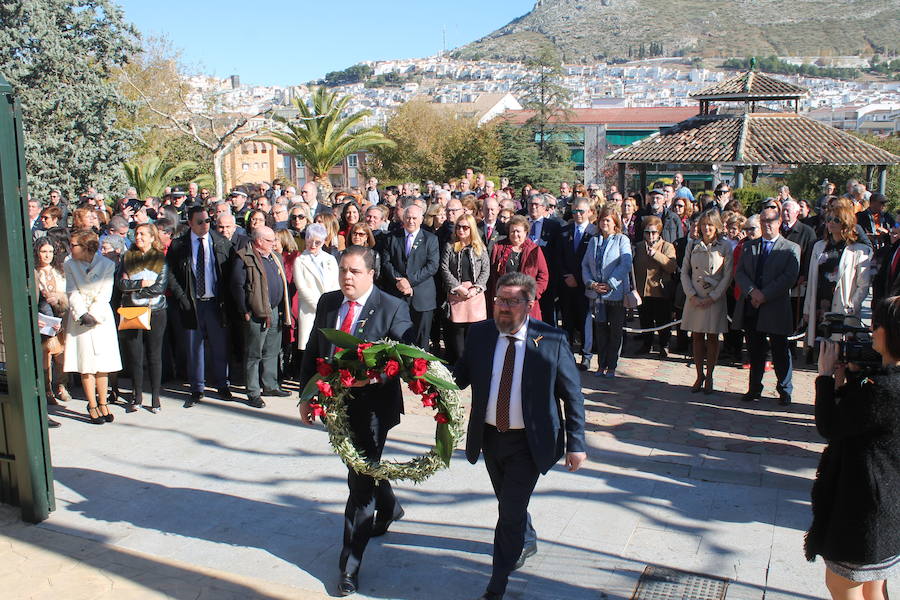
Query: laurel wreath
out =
(330, 390)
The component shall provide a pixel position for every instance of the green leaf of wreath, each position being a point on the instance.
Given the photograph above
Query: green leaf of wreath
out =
(371, 354)
(311, 388)
(413, 352)
(340, 338)
(443, 442)
(438, 382)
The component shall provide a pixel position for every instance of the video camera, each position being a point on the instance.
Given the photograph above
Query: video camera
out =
(855, 340)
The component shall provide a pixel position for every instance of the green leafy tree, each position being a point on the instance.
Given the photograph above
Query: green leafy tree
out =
(151, 176)
(59, 56)
(323, 135)
(521, 161)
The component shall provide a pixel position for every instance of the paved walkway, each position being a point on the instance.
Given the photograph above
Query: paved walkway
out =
(226, 501)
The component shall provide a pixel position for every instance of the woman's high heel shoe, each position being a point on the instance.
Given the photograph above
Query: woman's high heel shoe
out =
(107, 416)
(698, 384)
(96, 420)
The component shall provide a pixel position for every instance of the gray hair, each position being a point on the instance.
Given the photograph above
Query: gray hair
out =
(117, 242)
(752, 221)
(316, 231)
(117, 222)
(442, 193)
(790, 204)
(259, 232)
(519, 280)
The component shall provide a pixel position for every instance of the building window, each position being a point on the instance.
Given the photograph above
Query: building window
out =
(245, 166)
(352, 161)
(264, 164)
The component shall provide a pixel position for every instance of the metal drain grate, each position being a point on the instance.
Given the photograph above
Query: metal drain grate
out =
(660, 583)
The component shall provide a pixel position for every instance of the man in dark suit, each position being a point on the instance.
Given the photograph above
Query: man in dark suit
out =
(573, 244)
(409, 261)
(519, 370)
(490, 228)
(544, 231)
(656, 205)
(765, 274)
(886, 282)
(199, 261)
(366, 312)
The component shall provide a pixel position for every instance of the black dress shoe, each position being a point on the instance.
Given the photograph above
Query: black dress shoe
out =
(277, 393)
(490, 596)
(379, 528)
(51, 424)
(751, 396)
(348, 584)
(195, 398)
(255, 402)
(528, 551)
(225, 394)
(784, 399)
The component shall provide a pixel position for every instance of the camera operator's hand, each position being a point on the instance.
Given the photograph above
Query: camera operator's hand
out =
(828, 355)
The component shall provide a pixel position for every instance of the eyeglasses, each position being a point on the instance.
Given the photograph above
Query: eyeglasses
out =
(720, 192)
(832, 220)
(551, 206)
(650, 232)
(770, 207)
(509, 302)
(359, 234)
(679, 206)
(463, 227)
(298, 217)
(578, 211)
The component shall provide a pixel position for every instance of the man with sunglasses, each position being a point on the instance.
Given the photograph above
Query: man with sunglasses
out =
(520, 370)
(198, 263)
(573, 302)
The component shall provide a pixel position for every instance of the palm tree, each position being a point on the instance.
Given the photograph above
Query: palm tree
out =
(152, 176)
(322, 136)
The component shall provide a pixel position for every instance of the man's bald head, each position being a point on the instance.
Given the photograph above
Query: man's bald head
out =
(263, 239)
(226, 225)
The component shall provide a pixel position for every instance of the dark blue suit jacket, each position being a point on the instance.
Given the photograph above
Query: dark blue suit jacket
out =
(549, 375)
(382, 317)
(569, 259)
(419, 267)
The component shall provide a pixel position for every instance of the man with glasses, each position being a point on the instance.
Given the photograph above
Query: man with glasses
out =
(198, 262)
(574, 239)
(767, 271)
(56, 199)
(722, 195)
(520, 370)
(260, 294)
(545, 232)
(228, 229)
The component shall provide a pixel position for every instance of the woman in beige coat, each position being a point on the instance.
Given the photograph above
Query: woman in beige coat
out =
(315, 272)
(92, 344)
(705, 275)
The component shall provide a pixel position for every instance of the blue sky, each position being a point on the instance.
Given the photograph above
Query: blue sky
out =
(303, 40)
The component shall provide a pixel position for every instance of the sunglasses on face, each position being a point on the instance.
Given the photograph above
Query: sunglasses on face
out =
(720, 192)
(463, 227)
(832, 220)
(298, 217)
(578, 211)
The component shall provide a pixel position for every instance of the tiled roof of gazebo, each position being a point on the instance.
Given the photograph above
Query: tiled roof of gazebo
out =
(750, 85)
(753, 139)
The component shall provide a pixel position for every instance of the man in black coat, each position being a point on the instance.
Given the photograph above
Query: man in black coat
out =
(656, 205)
(409, 261)
(375, 406)
(544, 231)
(886, 282)
(573, 245)
(198, 262)
(490, 228)
(804, 236)
(519, 369)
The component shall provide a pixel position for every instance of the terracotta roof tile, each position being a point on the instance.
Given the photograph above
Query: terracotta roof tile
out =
(751, 85)
(614, 116)
(754, 139)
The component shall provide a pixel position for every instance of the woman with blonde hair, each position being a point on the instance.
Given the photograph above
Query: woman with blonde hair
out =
(839, 270)
(434, 217)
(92, 346)
(465, 269)
(705, 276)
(334, 243)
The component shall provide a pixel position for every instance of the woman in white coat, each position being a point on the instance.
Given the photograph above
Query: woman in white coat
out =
(315, 272)
(92, 344)
(839, 270)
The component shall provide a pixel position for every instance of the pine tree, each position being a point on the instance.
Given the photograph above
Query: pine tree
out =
(58, 56)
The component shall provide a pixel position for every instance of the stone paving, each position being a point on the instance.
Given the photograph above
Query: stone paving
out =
(225, 501)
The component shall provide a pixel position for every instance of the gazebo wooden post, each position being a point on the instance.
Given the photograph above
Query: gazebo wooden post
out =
(642, 169)
(739, 177)
(882, 179)
(754, 174)
(620, 178)
(870, 171)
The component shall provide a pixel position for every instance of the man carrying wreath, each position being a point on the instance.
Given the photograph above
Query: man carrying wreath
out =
(364, 311)
(519, 369)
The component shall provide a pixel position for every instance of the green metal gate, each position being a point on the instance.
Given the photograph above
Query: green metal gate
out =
(26, 478)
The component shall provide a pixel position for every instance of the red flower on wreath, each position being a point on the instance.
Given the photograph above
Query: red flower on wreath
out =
(317, 410)
(323, 368)
(360, 348)
(418, 386)
(441, 418)
(373, 374)
(325, 388)
(428, 400)
(391, 368)
(419, 367)
(347, 377)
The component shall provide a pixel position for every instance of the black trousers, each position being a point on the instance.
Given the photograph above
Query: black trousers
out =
(422, 326)
(608, 336)
(144, 349)
(654, 312)
(367, 496)
(574, 307)
(548, 307)
(455, 338)
(513, 476)
(758, 345)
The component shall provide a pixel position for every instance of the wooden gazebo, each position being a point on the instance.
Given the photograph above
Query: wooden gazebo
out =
(738, 128)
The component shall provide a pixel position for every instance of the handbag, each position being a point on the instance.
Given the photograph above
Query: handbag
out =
(134, 317)
(53, 346)
(467, 310)
(631, 299)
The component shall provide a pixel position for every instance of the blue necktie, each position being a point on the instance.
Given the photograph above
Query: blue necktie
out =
(578, 235)
(533, 233)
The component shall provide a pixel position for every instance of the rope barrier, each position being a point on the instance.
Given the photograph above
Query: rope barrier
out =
(792, 338)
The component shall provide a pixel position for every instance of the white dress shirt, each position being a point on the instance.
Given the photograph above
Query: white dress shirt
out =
(357, 310)
(516, 419)
(208, 266)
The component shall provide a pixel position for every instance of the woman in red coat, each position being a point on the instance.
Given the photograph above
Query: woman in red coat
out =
(518, 253)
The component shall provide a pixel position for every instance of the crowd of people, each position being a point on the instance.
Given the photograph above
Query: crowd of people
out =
(730, 284)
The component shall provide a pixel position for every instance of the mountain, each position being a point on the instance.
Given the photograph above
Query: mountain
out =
(594, 30)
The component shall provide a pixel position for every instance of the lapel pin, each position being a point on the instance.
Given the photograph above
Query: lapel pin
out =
(536, 340)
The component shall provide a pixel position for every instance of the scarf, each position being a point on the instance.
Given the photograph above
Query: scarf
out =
(135, 261)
